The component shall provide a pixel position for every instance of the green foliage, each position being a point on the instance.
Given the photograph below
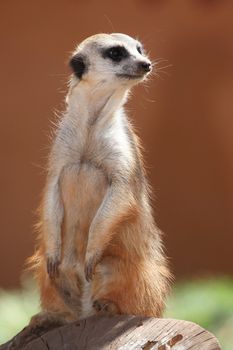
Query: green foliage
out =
(16, 309)
(208, 302)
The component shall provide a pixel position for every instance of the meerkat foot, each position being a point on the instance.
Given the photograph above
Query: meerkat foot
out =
(105, 307)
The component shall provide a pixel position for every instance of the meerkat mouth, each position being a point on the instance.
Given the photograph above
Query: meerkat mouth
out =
(130, 76)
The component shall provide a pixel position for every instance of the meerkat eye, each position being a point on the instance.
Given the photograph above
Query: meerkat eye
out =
(116, 53)
(139, 49)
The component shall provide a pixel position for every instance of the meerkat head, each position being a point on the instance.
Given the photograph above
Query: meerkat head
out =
(114, 59)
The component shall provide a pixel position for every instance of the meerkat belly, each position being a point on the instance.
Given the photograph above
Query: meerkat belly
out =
(83, 189)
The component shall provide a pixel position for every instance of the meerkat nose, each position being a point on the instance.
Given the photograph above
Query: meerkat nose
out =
(144, 66)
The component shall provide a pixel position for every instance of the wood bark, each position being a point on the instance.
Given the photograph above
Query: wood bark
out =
(125, 333)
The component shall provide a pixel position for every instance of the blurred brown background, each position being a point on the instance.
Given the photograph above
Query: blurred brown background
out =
(184, 117)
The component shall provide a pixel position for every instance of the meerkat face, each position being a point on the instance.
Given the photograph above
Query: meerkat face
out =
(116, 59)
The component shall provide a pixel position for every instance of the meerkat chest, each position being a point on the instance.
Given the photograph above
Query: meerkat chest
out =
(106, 146)
(110, 146)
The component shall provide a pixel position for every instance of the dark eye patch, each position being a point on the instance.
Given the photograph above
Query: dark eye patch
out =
(78, 65)
(140, 50)
(116, 53)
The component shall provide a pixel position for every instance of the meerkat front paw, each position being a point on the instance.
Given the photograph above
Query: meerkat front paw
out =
(53, 263)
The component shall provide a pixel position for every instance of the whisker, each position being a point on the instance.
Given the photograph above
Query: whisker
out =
(110, 22)
(164, 67)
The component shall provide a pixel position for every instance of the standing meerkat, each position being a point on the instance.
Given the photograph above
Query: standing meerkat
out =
(99, 248)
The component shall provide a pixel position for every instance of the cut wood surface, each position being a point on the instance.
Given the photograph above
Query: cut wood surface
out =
(125, 333)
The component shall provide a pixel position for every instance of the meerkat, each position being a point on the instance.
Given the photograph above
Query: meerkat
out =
(99, 250)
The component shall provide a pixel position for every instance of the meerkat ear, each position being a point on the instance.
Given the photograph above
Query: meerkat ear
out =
(78, 65)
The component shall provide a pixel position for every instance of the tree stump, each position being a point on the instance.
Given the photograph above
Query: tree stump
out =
(125, 333)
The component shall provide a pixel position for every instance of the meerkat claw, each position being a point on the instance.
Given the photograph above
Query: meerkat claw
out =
(89, 271)
(90, 268)
(53, 267)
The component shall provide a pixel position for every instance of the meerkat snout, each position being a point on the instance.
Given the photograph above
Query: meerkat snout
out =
(144, 66)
